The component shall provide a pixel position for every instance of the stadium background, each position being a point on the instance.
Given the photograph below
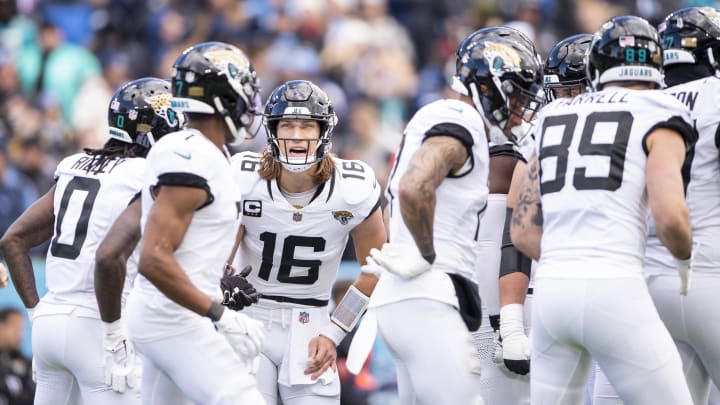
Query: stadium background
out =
(380, 60)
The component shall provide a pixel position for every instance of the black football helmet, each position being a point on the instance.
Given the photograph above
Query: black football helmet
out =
(691, 35)
(565, 66)
(299, 99)
(503, 78)
(140, 112)
(626, 49)
(217, 78)
(495, 31)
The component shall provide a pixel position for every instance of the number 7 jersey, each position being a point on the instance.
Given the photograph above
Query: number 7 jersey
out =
(592, 157)
(295, 252)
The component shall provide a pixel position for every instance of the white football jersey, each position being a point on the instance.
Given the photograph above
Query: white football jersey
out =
(86, 204)
(460, 201)
(187, 158)
(592, 156)
(296, 252)
(702, 168)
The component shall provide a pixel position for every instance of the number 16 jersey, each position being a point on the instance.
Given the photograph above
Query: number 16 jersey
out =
(592, 155)
(295, 252)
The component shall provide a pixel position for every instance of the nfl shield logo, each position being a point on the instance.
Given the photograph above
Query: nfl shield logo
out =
(304, 317)
(297, 216)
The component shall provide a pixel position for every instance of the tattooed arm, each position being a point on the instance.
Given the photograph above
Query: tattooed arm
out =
(437, 157)
(32, 228)
(526, 223)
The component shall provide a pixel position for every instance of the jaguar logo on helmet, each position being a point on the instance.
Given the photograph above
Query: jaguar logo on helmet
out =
(501, 57)
(227, 62)
(161, 104)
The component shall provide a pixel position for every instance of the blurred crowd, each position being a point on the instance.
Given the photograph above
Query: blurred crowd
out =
(61, 60)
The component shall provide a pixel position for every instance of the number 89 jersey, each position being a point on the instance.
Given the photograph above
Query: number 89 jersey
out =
(295, 252)
(592, 157)
(86, 205)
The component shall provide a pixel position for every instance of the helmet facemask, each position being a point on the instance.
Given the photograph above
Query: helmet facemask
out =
(294, 103)
(299, 154)
(567, 89)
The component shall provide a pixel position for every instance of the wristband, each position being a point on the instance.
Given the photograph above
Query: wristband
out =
(215, 312)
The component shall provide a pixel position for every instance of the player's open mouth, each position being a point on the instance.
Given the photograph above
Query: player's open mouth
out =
(297, 151)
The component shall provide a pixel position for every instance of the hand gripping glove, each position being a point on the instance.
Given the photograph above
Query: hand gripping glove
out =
(244, 334)
(685, 271)
(402, 260)
(237, 292)
(514, 341)
(120, 370)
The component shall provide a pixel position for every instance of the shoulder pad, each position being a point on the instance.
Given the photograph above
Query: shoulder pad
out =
(358, 181)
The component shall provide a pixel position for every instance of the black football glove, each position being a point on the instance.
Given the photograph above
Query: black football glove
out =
(237, 292)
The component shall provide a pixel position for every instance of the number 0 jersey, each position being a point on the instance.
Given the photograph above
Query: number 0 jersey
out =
(295, 252)
(86, 204)
(188, 159)
(592, 158)
(702, 97)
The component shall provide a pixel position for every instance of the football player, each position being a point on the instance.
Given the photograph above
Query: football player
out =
(73, 360)
(564, 76)
(691, 42)
(299, 204)
(439, 181)
(602, 159)
(190, 204)
(498, 384)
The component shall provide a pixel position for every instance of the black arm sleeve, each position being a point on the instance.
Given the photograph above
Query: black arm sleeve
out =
(511, 259)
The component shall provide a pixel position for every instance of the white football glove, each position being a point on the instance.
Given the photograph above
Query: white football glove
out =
(120, 370)
(400, 259)
(685, 271)
(514, 341)
(244, 333)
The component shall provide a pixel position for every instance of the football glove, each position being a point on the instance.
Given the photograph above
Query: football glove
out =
(513, 340)
(119, 358)
(402, 260)
(685, 271)
(237, 292)
(244, 334)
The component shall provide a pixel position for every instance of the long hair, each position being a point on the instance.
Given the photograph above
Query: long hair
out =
(321, 171)
(113, 149)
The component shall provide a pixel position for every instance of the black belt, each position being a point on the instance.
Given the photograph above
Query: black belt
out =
(311, 302)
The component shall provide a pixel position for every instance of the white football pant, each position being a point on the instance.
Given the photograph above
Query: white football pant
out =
(196, 367)
(434, 353)
(70, 362)
(615, 322)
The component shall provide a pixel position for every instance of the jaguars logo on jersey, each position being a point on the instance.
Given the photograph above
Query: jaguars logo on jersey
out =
(343, 217)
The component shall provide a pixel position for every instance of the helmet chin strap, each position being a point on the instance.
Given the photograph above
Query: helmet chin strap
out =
(226, 116)
(295, 167)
